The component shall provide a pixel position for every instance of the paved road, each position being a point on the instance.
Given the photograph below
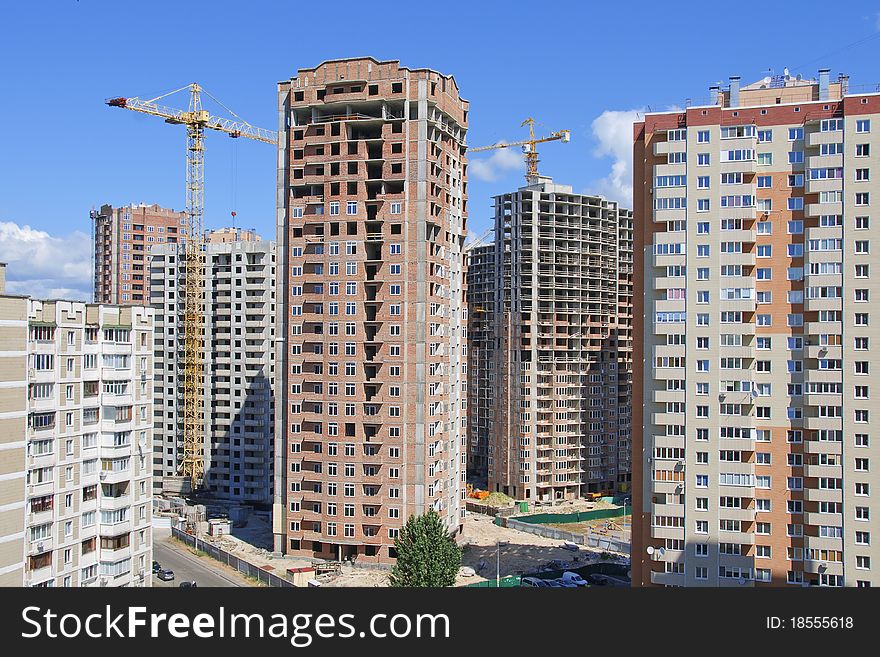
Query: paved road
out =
(188, 567)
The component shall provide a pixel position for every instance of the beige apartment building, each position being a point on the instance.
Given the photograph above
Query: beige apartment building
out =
(123, 237)
(550, 346)
(756, 454)
(75, 398)
(239, 382)
(371, 417)
(13, 428)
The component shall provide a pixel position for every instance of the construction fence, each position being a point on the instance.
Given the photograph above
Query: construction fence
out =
(242, 566)
(506, 582)
(580, 516)
(589, 539)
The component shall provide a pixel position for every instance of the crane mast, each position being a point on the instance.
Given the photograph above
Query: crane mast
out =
(191, 467)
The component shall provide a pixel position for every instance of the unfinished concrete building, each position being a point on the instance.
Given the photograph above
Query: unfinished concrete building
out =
(371, 224)
(122, 240)
(550, 345)
(481, 345)
(239, 369)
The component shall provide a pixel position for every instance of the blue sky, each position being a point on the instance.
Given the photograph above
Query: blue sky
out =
(570, 65)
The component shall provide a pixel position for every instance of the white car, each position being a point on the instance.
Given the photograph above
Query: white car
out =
(574, 578)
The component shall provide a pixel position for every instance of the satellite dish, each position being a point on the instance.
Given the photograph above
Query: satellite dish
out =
(742, 580)
(661, 552)
(650, 549)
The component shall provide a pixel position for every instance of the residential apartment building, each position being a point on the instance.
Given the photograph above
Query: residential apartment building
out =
(13, 429)
(230, 234)
(239, 324)
(372, 190)
(76, 424)
(122, 240)
(755, 434)
(549, 345)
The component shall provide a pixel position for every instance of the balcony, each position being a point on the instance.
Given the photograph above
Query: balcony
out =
(42, 545)
(116, 554)
(824, 161)
(116, 528)
(818, 209)
(667, 147)
(114, 503)
(823, 495)
(823, 185)
(818, 423)
(816, 139)
(822, 447)
(738, 166)
(41, 489)
(823, 567)
(115, 476)
(667, 579)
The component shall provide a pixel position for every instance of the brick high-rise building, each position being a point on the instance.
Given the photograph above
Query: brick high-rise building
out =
(549, 343)
(755, 459)
(371, 224)
(122, 240)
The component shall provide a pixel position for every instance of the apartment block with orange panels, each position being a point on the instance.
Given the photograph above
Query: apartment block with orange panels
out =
(122, 240)
(755, 453)
(372, 204)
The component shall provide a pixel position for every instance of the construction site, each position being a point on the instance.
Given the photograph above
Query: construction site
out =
(231, 470)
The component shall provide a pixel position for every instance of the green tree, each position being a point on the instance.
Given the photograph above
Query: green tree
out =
(427, 555)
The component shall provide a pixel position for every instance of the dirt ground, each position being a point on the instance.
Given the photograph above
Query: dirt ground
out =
(524, 552)
(623, 525)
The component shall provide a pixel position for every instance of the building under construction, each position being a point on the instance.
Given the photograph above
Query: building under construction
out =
(550, 343)
(238, 389)
(372, 194)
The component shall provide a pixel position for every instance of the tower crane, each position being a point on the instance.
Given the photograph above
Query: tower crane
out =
(197, 120)
(529, 147)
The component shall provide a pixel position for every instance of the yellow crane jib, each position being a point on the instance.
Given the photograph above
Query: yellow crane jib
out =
(529, 147)
(197, 120)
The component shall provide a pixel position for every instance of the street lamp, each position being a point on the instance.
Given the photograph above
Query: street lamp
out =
(498, 547)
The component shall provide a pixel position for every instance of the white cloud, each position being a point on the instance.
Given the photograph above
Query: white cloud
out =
(44, 266)
(613, 130)
(501, 161)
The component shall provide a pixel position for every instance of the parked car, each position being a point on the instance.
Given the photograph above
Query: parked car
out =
(576, 579)
(566, 583)
(156, 567)
(188, 584)
(569, 545)
(165, 575)
(598, 579)
(534, 581)
(554, 583)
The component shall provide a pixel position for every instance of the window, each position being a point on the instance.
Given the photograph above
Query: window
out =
(863, 125)
(351, 207)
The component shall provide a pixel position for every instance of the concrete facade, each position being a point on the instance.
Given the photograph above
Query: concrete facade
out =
(755, 433)
(550, 345)
(372, 204)
(75, 400)
(239, 382)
